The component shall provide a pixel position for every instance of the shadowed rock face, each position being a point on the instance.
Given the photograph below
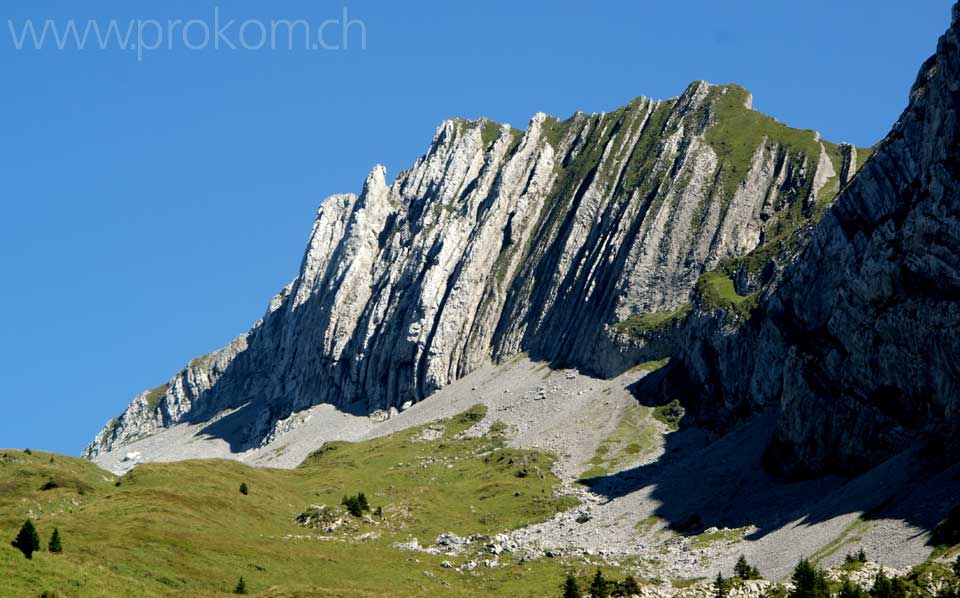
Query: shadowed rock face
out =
(499, 241)
(858, 344)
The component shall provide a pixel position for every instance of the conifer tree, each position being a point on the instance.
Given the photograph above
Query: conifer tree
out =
(743, 570)
(956, 567)
(721, 586)
(629, 586)
(54, 545)
(27, 541)
(809, 582)
(241, 587)
(353, 505)
(570, 587)
(887, 587)
(598, 587)
(244, 490)
(362, 500)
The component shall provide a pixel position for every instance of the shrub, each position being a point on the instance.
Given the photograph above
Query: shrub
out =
(775, 591)
(857, 558)
(851, 590)
(356, 505)
(54, 545)
(244, 490)
(27, 540)
(670, 414)
(353, 505)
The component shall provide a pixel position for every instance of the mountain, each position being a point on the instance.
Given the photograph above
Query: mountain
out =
(549, 241)
(856, 344)
(651, 342)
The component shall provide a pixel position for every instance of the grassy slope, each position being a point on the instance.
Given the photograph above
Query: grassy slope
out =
(635, 435)
(652, 323)
(715, 290)
(739, 131)
(185, 529)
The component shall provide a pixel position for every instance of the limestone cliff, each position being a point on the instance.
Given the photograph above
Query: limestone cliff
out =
(499, 241)
(856, 343)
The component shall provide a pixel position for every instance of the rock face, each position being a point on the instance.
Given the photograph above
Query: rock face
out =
(857, 343)
(499, 241)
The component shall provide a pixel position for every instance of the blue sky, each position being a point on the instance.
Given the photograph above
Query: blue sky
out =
(152, 206)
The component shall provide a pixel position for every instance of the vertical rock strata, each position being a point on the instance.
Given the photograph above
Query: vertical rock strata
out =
(499, 241)
(858, 343)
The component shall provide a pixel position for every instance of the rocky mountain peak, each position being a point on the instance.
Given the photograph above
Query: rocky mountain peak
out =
(499, 241)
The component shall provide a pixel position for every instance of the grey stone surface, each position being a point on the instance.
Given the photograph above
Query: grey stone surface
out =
(496, 241)
(857, 347)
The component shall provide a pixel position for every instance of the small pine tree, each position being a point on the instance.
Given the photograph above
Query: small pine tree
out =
(809, 582)
(956, 567)
(28, 451)
(362, 500)
(570, 587)
(887, 587)
(27, 541)
(629, 586)
(54, 545)
(241, 587)
(721, 587)
(353, 505)
(862, 556)
(244, 490)
(744, 570)
(598, 587)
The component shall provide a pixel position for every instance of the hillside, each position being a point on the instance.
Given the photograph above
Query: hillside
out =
(186, 529)
(454, 510)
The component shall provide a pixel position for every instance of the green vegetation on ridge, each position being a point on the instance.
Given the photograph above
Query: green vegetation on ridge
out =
(652, 323)
(738, 131)
(155, 395)
(715, 291)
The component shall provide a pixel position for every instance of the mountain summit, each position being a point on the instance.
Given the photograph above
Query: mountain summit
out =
(499, 241)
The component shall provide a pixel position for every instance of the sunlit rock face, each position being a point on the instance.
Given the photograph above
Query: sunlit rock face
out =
(499, 241)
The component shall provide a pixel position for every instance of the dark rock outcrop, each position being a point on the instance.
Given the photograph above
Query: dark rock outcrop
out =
(857, 341)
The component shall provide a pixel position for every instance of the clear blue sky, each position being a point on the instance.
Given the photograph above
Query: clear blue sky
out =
(151, 207)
